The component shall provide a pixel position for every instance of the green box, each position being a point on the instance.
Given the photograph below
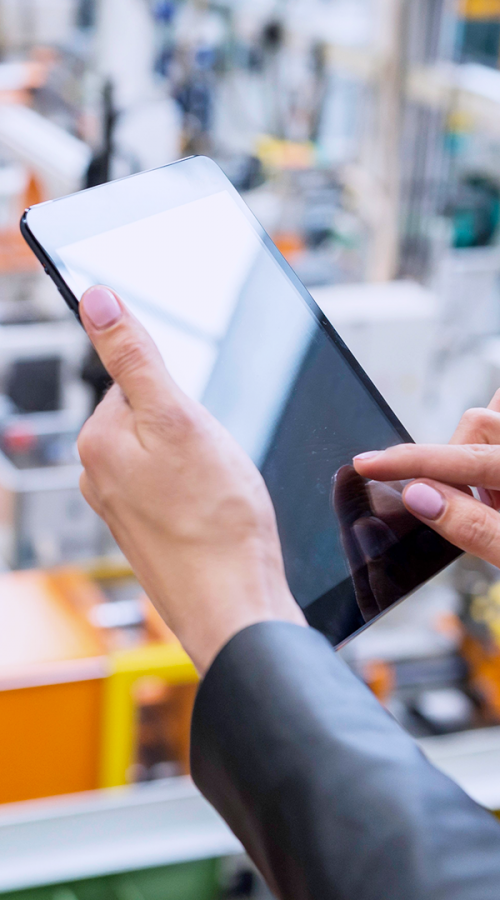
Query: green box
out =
(197, 880)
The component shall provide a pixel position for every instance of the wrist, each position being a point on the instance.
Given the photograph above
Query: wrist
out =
(204, 651)
(227, 612)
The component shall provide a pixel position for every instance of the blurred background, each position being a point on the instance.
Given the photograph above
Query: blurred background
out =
(365, 136)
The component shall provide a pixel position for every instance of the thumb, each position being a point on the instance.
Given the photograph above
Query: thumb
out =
(125, 348)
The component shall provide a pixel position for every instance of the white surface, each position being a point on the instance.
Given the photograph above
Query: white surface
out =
(13, 182)
(491, 360)
(346, 22)
(125, 50)
(63, 839)
(467, 283)
(150, 133)
(481, 80)
(412, 629)
(391, 330)
(468, 88)
(445, 705)
(400, 300)
(40, 339)
(39, 22)
(59, 158)
(472, 759)
(14, 76)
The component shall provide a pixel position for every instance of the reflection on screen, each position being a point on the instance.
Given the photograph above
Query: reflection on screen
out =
(236, 334)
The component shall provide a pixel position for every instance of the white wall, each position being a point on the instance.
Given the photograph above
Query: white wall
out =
(26, 22)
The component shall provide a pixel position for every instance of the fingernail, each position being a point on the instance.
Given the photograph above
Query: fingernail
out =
(101, 306)
(369, 454)
(485, 497)
(424, 501)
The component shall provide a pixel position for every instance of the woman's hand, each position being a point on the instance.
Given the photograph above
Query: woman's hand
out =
(185, 504)
(440, 495)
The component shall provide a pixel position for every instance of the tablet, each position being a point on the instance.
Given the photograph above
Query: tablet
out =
(239, 332)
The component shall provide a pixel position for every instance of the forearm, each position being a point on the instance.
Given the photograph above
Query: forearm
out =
(329, 796)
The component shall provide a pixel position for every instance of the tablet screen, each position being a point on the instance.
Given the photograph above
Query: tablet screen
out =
(238, 333)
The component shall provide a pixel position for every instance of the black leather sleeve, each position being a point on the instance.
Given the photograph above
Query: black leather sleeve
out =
(328, 795)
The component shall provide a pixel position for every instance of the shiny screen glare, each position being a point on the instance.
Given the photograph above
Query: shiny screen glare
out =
(237, 334)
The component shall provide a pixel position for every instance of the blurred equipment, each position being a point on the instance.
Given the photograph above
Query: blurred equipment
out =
(95, 690)
(59, 159)
(480, 32)
(481, 644)
(475, 211)
(43, 403)
(44, 519)
(25, 23)
(444, 710)
(51, 684)
(99, 170)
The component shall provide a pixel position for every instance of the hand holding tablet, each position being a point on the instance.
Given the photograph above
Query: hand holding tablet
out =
(241, 336)
(186, 505)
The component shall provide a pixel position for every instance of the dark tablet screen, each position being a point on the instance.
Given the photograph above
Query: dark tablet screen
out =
(240, 333)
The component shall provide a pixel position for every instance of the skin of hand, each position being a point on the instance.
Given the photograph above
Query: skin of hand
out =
(185, 504)
(440, 494)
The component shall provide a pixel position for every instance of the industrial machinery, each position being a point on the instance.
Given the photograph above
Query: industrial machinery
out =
(94, 689)
(43, 404)
(481, 642)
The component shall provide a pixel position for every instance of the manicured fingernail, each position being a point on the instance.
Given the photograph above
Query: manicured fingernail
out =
(369, 454)
(101, 306)
(485, 497)
(424, 500)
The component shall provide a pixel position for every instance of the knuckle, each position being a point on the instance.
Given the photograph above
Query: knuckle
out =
(89, 444)
(106, 500)
(476, 425)
(473, 531)
(127, 357)
(89, 494)
(480, 456)
(474, 416)
(478, 463)
(176, 422)
(84, 486)
(85, 444)
(400, 452)
(475, 421)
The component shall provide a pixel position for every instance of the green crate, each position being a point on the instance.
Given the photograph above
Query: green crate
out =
(185, 881)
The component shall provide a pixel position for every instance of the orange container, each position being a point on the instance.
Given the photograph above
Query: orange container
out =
(52, 667)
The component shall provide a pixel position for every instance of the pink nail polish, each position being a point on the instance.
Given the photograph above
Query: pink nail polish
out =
(485, 497)
(101, 307)
(370, 454)
(424, 500)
